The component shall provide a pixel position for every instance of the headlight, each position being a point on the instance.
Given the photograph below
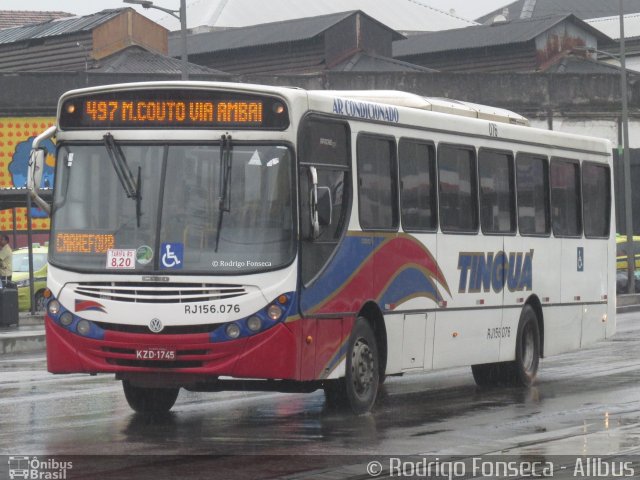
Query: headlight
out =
(233, 330)
(254, 323)
(274, 312)
(66, 319)
(83, 327)
(54, 307)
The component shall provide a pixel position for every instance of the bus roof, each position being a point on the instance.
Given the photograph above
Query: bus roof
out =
(434, 104)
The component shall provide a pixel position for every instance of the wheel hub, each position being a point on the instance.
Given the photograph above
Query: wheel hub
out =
(362, 367)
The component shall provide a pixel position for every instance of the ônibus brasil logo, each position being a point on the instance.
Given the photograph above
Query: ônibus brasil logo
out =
(36, 469)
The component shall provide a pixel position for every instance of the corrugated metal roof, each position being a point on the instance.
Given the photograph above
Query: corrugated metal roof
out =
(58, 27)
(366, 62)
(400, 15)
(138, 60)
(258, 35)
(18, 18)
(581, 65)
(517, 31)
(584, 9)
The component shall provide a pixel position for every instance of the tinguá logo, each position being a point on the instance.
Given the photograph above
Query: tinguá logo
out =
(488, 270)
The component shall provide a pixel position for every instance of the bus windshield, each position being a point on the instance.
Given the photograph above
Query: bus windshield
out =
(211, 209)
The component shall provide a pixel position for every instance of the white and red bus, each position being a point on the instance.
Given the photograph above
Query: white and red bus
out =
(221, 236)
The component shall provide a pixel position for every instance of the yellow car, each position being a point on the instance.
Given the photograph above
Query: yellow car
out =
(621, 251)
(20, 276)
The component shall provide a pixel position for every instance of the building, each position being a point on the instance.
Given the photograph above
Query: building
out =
(348, 41)
(18, 18)
(99, 41)
(522, 45)
(587, 10)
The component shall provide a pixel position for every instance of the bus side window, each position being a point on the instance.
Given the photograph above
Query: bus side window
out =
(377, 180)
(596, 187)
(532, 178)
(418, 197)
(497, 192)
(566, 205)
(458, 189)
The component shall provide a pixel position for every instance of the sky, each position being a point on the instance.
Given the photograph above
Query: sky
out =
(463, 8)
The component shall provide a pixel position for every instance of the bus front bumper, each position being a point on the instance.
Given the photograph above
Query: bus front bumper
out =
(269, 354)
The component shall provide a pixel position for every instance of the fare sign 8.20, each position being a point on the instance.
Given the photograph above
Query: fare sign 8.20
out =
(121, 259)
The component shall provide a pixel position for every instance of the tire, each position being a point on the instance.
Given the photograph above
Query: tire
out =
(363, 368)
(40, 302)
(524, 369)
(335, 394)
(488, 374)
(150, 401)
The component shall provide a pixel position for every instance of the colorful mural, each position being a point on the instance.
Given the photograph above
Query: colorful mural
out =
(16, 135)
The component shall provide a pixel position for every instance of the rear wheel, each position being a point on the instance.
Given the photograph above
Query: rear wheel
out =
(525, 366)
(522, 371)
(149, 400)
(488, 374)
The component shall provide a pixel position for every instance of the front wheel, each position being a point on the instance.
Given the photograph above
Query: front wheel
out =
(152, 401)
(359, 388)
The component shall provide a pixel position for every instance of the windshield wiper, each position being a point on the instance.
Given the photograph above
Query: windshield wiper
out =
(226, 152)
(131, 186)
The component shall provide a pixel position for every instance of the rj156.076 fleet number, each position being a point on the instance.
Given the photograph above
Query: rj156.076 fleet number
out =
(206, 309)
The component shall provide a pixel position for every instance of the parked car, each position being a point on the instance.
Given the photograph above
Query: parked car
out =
(622, 280)
(621, 251)
(20, 276)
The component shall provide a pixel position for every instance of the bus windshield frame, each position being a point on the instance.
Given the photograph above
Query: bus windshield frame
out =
(180, 221)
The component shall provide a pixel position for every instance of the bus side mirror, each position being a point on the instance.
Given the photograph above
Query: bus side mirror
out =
(36, 169)
(320, 204)
(313, 203)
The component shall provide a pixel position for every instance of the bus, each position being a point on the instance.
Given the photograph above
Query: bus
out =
(220, 236)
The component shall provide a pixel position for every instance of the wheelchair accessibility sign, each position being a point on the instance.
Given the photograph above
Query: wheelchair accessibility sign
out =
(580, 263)
(172, 256)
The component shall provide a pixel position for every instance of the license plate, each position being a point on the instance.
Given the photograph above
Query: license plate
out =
(156, 353)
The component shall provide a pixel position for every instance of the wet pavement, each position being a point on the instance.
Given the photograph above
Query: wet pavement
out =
(584, 403)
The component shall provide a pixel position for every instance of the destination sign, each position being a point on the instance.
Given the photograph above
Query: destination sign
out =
(173, 109)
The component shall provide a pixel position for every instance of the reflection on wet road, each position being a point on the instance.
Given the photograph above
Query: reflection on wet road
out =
(587, 402)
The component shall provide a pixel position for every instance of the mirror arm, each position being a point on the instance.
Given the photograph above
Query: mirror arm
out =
(36, 168)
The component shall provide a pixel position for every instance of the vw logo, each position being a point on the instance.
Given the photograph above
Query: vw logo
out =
(155, 325)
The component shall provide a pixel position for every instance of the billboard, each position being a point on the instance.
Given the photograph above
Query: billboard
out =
(16, 135)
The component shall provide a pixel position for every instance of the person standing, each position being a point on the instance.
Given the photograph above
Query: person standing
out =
(6, 260)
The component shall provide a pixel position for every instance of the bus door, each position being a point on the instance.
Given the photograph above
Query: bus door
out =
(593, 262)
(326, 250)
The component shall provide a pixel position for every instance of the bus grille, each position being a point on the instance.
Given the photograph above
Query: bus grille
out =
(159, 292)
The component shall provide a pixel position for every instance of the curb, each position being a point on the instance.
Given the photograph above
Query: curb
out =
(28, 336)
(628, 303)
(18, 342)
